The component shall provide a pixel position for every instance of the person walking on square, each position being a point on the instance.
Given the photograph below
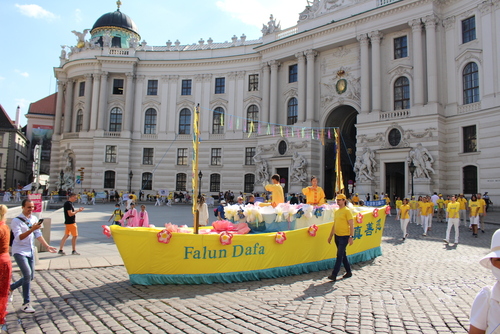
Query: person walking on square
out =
(441, 208)
(452, 216)
(143, 217)
(404, 217)
(70, 224)
(343, 229)
(398, 202)
(26, 229)
(116, 215)
(413, 210)
(485, 310)
(482, 211)
(203, 211)
(5, 266)
(463, 208)
(474, 208)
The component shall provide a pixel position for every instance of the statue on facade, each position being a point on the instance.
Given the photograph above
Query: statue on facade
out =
(133, 42)
(271, 26)
(299, 168)
(80, 37)
(262, 170)
(361, 170)
(365, 164)
(422, 160)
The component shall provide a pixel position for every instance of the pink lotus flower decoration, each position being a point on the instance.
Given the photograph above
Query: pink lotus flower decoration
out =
(164, 236)
(312, 230)
(106, 231)
(226, 238)
(375, 212)
(280, 237)
(359, 218)
(387, 210)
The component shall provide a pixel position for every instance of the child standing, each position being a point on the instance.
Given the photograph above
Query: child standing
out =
(117, 215)
(143, 217)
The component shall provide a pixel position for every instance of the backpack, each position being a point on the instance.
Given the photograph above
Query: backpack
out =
(216, 212)
(11, 241)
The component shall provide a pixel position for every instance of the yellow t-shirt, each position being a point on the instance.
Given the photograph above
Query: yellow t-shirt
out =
(453, 210)
(413, 205)
(404, 211)
(277, 196)
(430, 208)
(421, 207)
(314, 196)
(355, 199)
(482, 205)
(399, 203)
(375, 197)
(341, 219)
(387, 200)
(440, 203)
(463, 203)
(474, 206)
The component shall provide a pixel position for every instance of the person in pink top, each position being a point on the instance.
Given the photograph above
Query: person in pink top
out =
(143, 217)
(132, 216)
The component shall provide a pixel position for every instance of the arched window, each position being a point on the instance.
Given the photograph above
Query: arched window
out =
(218, 121)
(252, 117)
(470, 179)
(150, 121)
(215, 183)
(471, 83)
(402, 93)
(292, 111)
(249, 183)
(147, 181)
(79, 120)
(185, 122)
(115, 120)
(109, 179)
(180, 182)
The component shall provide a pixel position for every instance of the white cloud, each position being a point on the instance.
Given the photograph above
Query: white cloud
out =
(2, 78)
(36, 11)
(24, 74)
(257, 12)
(78, 15)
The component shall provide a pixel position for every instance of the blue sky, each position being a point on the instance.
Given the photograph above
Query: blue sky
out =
(34, 32)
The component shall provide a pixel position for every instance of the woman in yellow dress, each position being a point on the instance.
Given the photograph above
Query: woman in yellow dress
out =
(314, 194)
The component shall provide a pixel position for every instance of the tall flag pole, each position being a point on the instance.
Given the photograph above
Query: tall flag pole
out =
(339, 180)
(194, 175)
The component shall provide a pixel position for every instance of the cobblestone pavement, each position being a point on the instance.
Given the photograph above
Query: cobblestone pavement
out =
(416, 286)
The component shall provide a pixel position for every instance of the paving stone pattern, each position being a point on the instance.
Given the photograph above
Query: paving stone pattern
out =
(416, 286)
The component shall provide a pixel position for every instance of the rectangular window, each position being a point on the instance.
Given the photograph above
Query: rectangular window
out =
(249, 183)
(81, 91)
(400, 47)
(216, 159)
(186, 87)
(110, 153)
(215, 183)
(253, 82)
(152, 87)
(292, 73)
(182, 156)
(180, 182)
(220, 85)
(469, 138)
(249, 154)
(147, 156)
(117, 86)
(469, 29)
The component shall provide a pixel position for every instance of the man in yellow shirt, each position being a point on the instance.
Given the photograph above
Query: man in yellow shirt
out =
(463, 208)
(399, 202)
(426, 208)
(387, 202)
(440, 204)
(314, 194)
(482, 211)
(404, 216)
(355, 199)
(474, 207)
(452, 215)
(343, 229)
(413, 210)
(276, 190)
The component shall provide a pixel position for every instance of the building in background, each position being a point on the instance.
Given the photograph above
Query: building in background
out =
(13, 153)
(409, 82)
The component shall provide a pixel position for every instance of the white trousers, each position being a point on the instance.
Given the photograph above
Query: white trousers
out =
(413, 216)
(404, 226)
(455, 222)
(463, 217)
(425, 222)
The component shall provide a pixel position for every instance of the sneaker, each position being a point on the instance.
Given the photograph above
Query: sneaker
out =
(11, 296)
(406, 235)
(445, 241)
(332, 278)
(75, 253)
(424, 234)
(61, 252)
(347, 275)
(482, 231)
(27, 308)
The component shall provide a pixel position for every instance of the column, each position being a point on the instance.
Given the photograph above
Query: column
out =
(205, 124)
(139, 91)
(490, 40)
(432, 70)
(68, 103)
(162, 113)
(103, 102)
(230, 90)
(311, 114)
(273, 99)
(449, 25)
(375, 37)
(129, 102)
(301, 64)
(238, 97)
(265, 94)
(365, 73)
(173, 82)
(418, 62)
(204, 108)
(95, 101)
(88, 103)
(59, 106)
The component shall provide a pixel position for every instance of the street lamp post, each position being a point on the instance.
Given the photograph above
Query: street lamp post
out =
(412, 168)
(130, 175)
(61, 174)
(200, 175)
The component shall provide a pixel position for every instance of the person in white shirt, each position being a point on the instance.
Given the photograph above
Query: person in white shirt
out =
(485, 311)
(26, 229)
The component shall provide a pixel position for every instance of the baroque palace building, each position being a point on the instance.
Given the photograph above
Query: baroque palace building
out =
(405, 82)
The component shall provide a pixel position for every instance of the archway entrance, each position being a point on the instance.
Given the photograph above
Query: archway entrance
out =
(343, 117)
